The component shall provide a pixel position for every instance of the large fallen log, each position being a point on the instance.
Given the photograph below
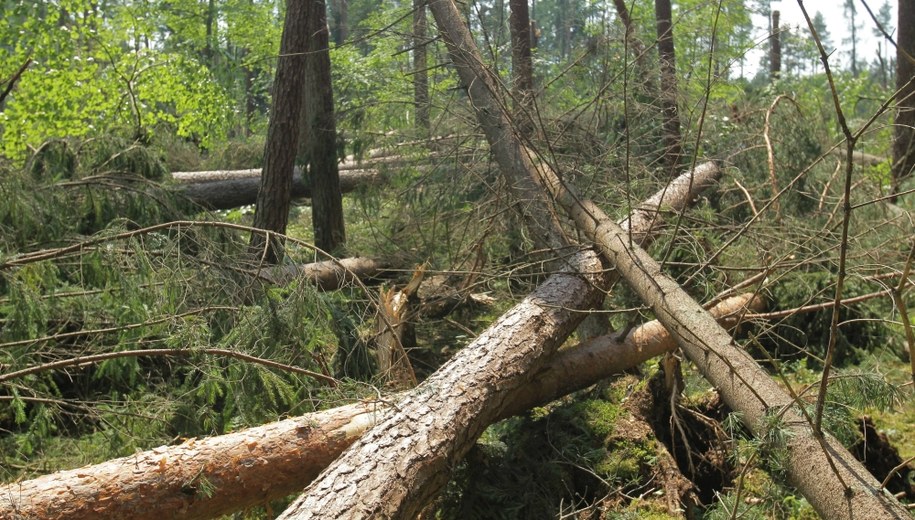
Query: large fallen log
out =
(205, 478)
(237, 188)
(394, 469)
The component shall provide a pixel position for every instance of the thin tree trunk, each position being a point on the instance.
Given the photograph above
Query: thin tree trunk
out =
(835, 484)
(341, 21)
(904, 128)
(318, 145)
(636, 45)
(272, 209)
(421, 98)
(205, 478)
(775, 48)
(670, 125)
(519, 23)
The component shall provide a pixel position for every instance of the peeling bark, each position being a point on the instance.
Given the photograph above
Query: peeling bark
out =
(834, 483)
(820, 467)
(250, 467)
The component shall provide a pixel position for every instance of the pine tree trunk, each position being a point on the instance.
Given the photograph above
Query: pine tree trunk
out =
(636, 45)
(904, 129)
(272, 209)
(421, 98)
(775, 48)
(519, 23)
(670, 115)
(205, 478)
(319, 134)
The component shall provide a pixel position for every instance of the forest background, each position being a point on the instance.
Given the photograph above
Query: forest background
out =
(134, 313)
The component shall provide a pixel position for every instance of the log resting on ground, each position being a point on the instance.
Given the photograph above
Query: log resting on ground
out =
(205, 478)
(402, 462)
(239, 188)
(328, 275)
(835, 484)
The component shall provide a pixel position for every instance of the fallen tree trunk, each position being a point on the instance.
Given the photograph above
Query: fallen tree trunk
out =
(328, 275)
(400, 464)
(239, 187)
(209, 477)
(834, 483)
(823, 471)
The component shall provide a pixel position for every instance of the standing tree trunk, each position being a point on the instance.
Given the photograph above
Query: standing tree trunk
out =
(341, 21)
(519, 23)
(775, 49)
(420, 68)
(638, 47)
(904, 138)
(319, 133)
(272, 208)
(669, 91)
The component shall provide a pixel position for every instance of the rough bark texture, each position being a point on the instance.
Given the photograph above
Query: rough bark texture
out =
(420, 67)
(272, 209)
(400, 464)
(198, 478)
(250, 467)
(670, 125)
(904, 138)
(569, 370)
(519, 23)
(318, 144)
(239, 187)
(775, 48)
(742, 383)
(636, 45)
(483, 88)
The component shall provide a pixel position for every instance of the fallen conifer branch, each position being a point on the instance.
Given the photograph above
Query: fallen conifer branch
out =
(205, 478)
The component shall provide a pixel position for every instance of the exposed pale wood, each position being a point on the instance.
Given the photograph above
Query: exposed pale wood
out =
(328, 274)
(253, 466)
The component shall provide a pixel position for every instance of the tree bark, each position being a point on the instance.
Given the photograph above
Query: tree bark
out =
(328, 275)
(401, 463)
(256, 465)
(835, 484)
(421, 98)
(318, 145)
(519, 23)
(240, 187)
(514, 162)
(904, 127)
(775, 48)
(273, 196)
(341, 21)
(634, 43)
(670, 115)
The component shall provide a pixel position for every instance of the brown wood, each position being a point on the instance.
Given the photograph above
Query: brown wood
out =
(318, 134)
(775, 48)
(421, 98)
(252, 466)
(904, 126)
(669, 93)
(273, 197)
